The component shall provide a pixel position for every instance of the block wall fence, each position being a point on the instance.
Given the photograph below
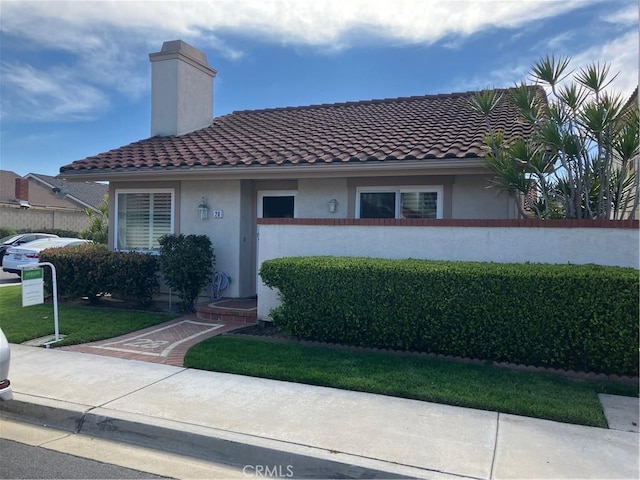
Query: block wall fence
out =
(601, 242)
(36, 219)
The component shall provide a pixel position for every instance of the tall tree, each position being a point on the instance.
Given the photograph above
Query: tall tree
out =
(582, 159)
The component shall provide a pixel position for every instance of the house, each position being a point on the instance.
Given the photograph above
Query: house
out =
(41, 202)
(400, 158)
(87, 195)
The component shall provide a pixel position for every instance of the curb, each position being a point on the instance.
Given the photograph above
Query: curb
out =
(281, 459)
(56, 414)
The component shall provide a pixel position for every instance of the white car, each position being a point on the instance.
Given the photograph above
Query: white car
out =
(16, 240)
(5, 358)
(27, 254)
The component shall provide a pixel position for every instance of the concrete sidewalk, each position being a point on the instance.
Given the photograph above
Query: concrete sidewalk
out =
(293, 430)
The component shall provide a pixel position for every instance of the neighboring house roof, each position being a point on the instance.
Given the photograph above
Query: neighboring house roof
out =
(86, 194)
(37, 195)
(633, 99)
(431, 127)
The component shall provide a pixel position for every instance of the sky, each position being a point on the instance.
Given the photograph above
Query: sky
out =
(75, 76)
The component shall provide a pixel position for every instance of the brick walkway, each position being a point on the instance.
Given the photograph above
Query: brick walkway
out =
(164, 343)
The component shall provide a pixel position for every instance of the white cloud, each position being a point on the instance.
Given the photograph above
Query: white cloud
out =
(106, 38)
(48, 95)
(322, 22)
(624, 16)
(621, 54)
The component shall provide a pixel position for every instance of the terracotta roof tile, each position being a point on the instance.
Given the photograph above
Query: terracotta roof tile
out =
(391, 130)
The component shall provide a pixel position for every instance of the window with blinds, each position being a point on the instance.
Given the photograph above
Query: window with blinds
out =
(142, 217)
(419, 205)
(399, 202)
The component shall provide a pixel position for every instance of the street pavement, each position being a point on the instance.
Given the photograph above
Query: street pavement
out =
(288, 430)
(9, 278)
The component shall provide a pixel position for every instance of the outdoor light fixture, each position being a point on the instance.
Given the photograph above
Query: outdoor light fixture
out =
(203, 209)
(333, 205)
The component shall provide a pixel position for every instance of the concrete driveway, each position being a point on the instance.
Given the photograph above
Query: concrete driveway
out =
(8, 278)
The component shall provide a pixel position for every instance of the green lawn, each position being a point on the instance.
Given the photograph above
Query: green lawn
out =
(449, 382)
(80, 324)
(454, 383)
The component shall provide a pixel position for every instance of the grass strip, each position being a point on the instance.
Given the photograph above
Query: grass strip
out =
(80, 324)
(422, 378)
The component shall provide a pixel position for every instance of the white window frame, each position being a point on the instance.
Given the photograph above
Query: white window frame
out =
(277, 193)
(141, 190)
(399, 190)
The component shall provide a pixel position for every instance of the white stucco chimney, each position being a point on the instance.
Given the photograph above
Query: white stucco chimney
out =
(181, 90)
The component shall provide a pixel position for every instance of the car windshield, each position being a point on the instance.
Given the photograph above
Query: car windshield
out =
(9, 239)
(48, 242)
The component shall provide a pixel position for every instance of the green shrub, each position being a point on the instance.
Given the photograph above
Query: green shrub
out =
(135, 276)
(562, 316)
(7, 232)
(186, 261)
(53, 231)
(91, 270)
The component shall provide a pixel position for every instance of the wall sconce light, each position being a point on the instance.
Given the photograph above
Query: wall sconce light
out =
(333, 205)
(203, 209)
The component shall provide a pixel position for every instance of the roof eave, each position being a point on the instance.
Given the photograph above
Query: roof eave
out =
(473, 165)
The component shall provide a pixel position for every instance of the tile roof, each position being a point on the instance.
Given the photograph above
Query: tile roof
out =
(389, 130)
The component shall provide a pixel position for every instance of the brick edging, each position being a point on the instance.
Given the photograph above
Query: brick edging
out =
(576, 375)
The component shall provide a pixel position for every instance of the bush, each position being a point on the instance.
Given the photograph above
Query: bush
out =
(186, 262)
(562, 316)
(92, 271)
(7, 232)
(53, 231)
(135, 276)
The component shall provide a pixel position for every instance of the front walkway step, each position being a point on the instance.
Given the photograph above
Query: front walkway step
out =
(237, 310)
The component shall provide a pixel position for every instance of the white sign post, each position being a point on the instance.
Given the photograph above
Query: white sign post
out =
(33, 291)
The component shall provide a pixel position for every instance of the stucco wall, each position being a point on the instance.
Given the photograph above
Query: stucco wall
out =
(472, 199)
(225, 233)
(314, 196)
(603, 246)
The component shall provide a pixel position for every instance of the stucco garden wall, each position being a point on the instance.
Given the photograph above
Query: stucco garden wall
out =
(471, 240)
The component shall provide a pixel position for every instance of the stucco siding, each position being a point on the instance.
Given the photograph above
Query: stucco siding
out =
(472, 199)
(314, 196)
(225, 232)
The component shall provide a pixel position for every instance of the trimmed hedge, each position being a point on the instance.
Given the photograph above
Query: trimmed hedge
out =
(91, 271)
(576, 317)
(8, 231)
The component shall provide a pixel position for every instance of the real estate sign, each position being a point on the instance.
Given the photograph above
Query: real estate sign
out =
(32, 287)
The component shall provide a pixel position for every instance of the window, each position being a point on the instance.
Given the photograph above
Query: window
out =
(276, 204)
(142, 217)
(401, 202)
